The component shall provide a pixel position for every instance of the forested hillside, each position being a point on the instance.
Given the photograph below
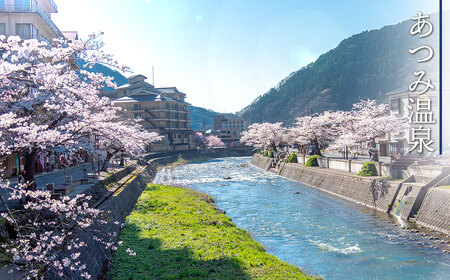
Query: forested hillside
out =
(366, 65)
(203, 117)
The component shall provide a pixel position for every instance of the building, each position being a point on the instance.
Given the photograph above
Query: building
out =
(163, 110)
(420, 110)
(29, 19)
(230, 129)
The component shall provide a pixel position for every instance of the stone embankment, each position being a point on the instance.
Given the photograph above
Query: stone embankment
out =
(435, 210)
(378, 194)
(416, 197)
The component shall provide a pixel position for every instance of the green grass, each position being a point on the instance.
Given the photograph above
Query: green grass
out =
(445, 187)
(179, 234)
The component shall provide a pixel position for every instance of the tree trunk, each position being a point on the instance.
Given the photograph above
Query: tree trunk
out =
(29, 169)
(109, 156)
(316, 143)
(274, 146)
(122, 161)
(375, 151)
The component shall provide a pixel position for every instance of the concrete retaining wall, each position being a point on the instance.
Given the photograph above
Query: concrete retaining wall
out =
(412, 192)
(262, 161)
(435, 210)
(429, 171)
(119, 206)
(374, 193)
(383, 195)
(339, 164)
(354, 166)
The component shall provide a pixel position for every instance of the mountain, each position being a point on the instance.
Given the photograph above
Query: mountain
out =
(118, 78)
(366, 65)
(201, 116)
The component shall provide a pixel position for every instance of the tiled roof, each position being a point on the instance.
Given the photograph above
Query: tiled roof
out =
(134, 76)
(146, 98)
(139, 98)
(399, 90)
(168, 90)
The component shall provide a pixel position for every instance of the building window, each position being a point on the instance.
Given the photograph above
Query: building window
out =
(22, 5)
(2, 26)
(26, 31)
(395, 105)
(135, 106)
(2, 5)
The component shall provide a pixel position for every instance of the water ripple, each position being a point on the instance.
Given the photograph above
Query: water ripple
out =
(309, 228)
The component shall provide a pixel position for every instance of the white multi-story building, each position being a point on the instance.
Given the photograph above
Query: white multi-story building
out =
(230, 128)
(29, 19)
(422, 112)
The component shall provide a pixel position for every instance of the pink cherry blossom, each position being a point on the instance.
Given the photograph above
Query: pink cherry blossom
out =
(262, 135)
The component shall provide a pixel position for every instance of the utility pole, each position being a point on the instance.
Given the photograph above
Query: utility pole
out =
(153, 75)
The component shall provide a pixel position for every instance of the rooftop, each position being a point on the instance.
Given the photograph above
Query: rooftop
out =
(170, 90)
(147, 98)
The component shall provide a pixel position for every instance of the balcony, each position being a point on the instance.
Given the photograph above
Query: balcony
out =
(33, 8)
(53, 5)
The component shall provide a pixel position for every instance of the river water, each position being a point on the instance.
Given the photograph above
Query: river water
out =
(320, 233)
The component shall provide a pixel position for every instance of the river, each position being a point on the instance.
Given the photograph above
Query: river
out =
(320, 233)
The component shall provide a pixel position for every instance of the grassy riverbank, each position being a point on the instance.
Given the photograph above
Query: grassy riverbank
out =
(179, 234)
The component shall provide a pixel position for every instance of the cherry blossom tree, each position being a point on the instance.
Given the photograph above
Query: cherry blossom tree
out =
(124, 135)
(263, 135)
(199, 139)
(346, 141)
(367, 121)
(50, 224)
(46, 103)
(214, 141)
(317, 129)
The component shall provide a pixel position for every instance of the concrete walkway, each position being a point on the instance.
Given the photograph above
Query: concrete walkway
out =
(335, 155)
(57, 178)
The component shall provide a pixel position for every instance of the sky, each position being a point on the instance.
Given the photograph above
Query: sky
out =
(225, 53)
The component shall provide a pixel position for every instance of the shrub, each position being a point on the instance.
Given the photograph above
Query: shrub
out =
(292, 158)
(312, 161)
(271, 154)
(368, 169)
(266, 153)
